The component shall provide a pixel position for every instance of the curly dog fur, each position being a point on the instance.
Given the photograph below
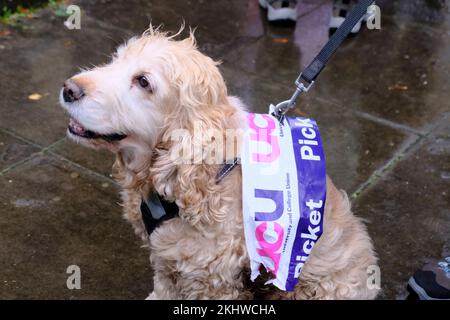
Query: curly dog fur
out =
(201, 254)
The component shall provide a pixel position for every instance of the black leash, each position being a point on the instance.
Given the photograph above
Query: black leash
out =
(308, 76)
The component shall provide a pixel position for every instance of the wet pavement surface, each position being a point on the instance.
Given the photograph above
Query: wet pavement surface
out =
(383, 106)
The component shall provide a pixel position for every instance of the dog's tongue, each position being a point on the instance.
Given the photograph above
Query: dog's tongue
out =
(76, 126)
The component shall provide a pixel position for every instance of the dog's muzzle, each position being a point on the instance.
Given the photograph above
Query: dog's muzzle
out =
(72, 91)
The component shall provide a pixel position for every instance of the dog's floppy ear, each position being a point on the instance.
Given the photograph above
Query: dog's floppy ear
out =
(192, 186)
(199, 195)
(202, 106)
(186, 166)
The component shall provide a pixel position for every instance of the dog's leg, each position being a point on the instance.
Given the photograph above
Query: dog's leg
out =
(187, 265)
(153, 296)
(169, 287)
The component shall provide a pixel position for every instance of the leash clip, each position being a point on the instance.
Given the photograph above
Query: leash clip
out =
(283, 107)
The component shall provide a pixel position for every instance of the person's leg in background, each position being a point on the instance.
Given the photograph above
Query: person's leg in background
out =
(341, 9)
(280, 10)
(286, 10)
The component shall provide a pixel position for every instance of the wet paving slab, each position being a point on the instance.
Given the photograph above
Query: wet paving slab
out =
(37, 60)
(218, 26)
(429, 12)
(408, 212)
(377, 72)
(74, 219)
(99, 161)
(381, 105)
(392, 79)
(354, 146)
(14, 150)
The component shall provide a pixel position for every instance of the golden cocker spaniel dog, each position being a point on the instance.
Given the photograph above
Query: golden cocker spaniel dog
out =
(154, 86)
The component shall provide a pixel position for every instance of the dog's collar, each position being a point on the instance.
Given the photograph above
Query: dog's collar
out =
(155, 209)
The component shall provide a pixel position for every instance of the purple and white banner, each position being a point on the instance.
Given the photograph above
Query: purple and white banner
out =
(284, 192)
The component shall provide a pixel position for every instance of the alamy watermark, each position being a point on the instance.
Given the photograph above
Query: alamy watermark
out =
(373, 277)
(373, 17)
(74, 279)
(74, 19)
(73, 22)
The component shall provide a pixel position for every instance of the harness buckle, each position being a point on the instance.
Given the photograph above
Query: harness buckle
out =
(283, 107)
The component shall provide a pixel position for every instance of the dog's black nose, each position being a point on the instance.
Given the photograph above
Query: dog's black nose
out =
(72, 91)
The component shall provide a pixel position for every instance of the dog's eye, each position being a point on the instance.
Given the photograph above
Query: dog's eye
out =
(143, 82)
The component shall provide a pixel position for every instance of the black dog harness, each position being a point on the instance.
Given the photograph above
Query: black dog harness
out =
(155, 210)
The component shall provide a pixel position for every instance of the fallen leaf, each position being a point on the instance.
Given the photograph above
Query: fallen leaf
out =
(22, 9)
(398, 87)
(280, 40)
(74, 175)
(34, 97)
(25, 12)
(4, 33)
(68, 43)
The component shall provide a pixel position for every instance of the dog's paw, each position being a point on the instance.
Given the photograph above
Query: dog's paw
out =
(152, 296)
